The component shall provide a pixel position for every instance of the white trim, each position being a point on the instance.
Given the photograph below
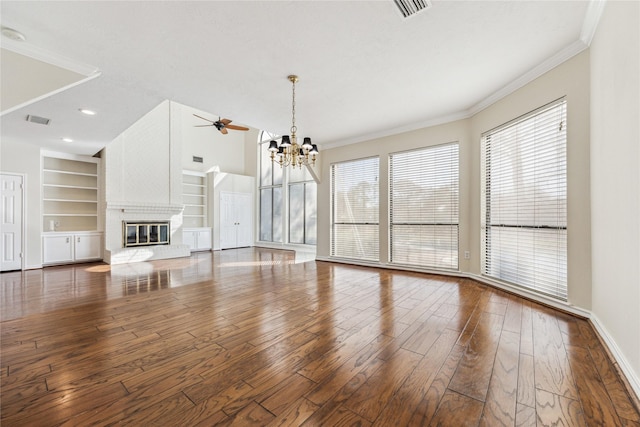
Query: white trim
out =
(153, 208)
(619, 357)
(564, 55)
(591, 20)
(46, 95)
(43, 55)
(398, 130)
(23, 229)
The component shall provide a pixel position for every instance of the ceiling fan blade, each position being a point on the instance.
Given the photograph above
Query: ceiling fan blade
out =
(200, 117)
(203, 126)
(224, 131)
(234, 127)
(225, 121)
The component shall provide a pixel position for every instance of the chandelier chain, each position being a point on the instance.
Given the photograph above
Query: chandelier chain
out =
(293, 109)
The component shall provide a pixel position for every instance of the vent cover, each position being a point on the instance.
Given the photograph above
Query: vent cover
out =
(38, 119)
(197, 159)
(411, 7)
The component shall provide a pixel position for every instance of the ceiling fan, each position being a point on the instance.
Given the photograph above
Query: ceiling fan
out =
(221, 124)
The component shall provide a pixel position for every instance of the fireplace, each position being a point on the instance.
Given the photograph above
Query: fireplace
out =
(145, 233)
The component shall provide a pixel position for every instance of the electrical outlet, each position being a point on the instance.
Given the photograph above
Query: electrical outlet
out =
(467, 255)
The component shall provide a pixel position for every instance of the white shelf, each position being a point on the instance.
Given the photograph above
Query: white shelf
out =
(70, 192)
(69, 214)
(70, 200)
(69, 172)
(77, 187)
(194, 197)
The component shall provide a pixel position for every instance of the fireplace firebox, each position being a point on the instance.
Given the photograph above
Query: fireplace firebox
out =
(145, 233)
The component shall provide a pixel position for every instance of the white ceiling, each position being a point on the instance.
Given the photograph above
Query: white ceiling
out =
(364, 70)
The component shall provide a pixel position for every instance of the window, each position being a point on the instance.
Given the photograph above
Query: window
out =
(423, 207)
(525, 201)
(354, 209)
(302, 207)
(282, 191)
(270, 189)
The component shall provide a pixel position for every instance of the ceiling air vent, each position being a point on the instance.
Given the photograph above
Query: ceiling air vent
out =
(38, 119)
(411, 7)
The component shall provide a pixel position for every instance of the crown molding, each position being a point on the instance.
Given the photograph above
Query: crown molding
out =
(565, 54)
(398, 130)
(591, 20)
(43, 55)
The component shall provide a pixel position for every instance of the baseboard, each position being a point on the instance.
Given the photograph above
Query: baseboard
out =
(618, 356)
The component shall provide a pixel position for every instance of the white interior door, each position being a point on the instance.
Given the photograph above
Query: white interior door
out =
(227, 221)
(12, 196)
(244, 229)
(236, 229)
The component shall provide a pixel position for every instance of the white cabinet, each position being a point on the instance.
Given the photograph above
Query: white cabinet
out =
(236, 226)
(60, 248)
(198, 239)
(57, 248)
(87, 246)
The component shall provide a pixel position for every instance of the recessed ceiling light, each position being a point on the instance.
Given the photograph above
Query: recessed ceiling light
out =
(67, 139)
(13, 34)
(87, 112)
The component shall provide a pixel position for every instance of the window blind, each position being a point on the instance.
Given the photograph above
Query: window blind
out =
(423, 207)
(525, 201)
(354, 209)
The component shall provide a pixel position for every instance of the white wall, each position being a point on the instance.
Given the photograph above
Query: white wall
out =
(615, 179)
(24, 158)
(227, 152)
(143, 181)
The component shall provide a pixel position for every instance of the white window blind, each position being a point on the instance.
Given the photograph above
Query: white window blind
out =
(525, 201)
(423, 207)
(354, 209)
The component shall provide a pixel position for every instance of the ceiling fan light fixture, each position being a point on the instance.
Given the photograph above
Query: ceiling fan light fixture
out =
(290, 153)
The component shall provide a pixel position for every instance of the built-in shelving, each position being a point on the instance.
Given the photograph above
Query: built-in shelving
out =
(194, 198)
(69, 192)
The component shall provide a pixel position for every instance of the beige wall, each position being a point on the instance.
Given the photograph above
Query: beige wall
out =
(570, 79)
(615, 179)
(24, 158)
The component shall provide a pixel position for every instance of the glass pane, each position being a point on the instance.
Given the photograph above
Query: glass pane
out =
(265, 165)
(142, 234)
(277, 214)
(153, 233)
(164, 233)
(296, 213)
(132, 238)
(311, 213)
(265, 215)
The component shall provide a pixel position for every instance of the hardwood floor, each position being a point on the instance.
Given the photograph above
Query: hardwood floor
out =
(248, 337)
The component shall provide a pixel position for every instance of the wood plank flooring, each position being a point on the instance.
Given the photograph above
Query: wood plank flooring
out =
(249, 337)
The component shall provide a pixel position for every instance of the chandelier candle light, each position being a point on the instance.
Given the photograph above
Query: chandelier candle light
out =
(289, 153)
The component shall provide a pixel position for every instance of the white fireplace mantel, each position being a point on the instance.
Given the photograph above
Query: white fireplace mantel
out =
(152, 208)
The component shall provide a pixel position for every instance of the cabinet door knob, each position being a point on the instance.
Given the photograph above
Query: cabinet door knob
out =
(67, 240)
(78, 239)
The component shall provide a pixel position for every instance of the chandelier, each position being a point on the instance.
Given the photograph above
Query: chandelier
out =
(290, 153)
